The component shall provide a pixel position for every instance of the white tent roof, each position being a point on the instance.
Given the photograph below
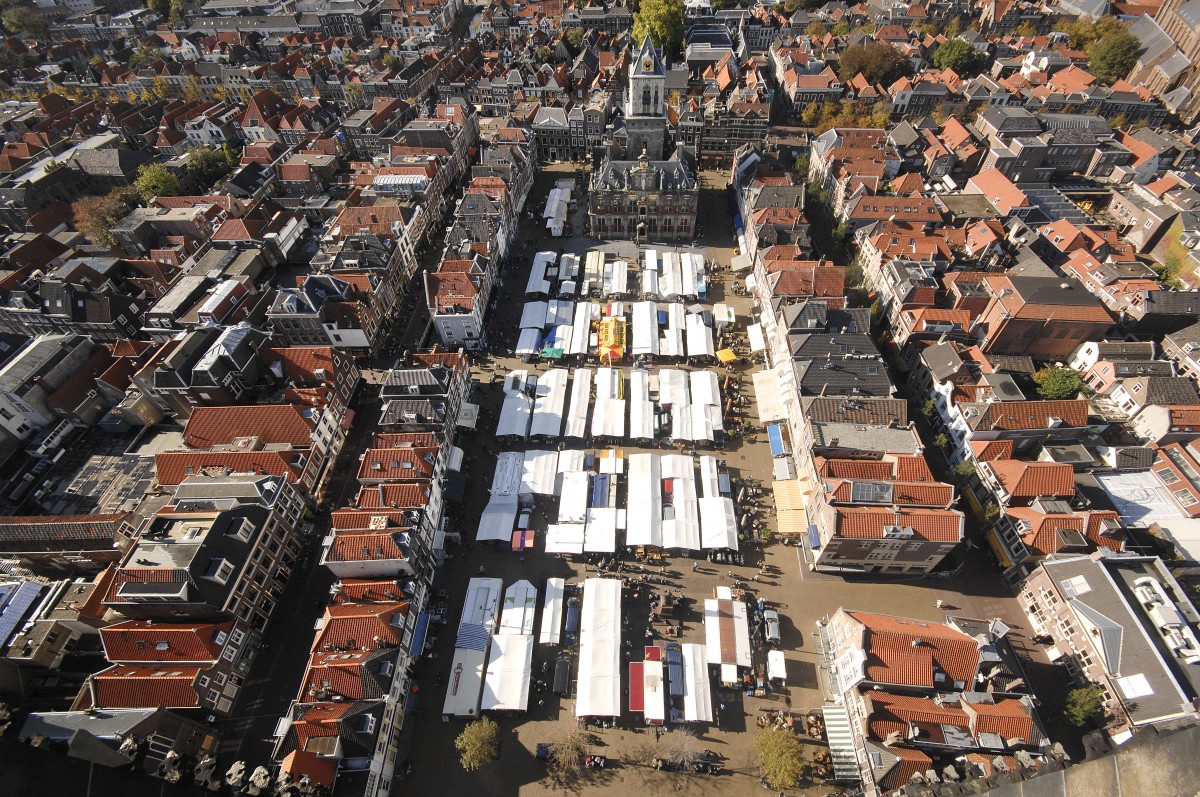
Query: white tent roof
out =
(705, 388)
(599, 693)
(654, 692)
(568, 266)
(710, 485)
(639, 384)
(515, 415)
(757, 341)
(645, 498)
(581, 329)
(570, 460)
(697, 692)
(506, 685)
(687, 271)
(641, 420)
(616, 278)
(564, 538)
(559, 312)
(609, 383)
(581, 399)
(548, 406)
(718, 524)
(529, 343)
(539, 472)
(498, 519)
(767, 396)
(678, 466)
(608, 418)
(725, 623)
(537, 282)
(723, 315)
(551, 629)
(507, 478)
(776, 665)
(520, 605)
(533, 315)
(650, 260)
(670, 283)
(699, 337)
(672, 386)
(600, 536)
(482, 604)
(576, 488)
(650, 283)
(462, 694)
(645, 328)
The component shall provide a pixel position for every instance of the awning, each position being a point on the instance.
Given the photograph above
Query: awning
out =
(791, 521)
(757, 341)
(768, 397)
(751, 283)
(998, 547)
(787, 495)
(841, 743)
(637, 700)
(726, 355)
(783, 469)
(456, 485)
(456, 458)
(551, 628)
(417, 646)
(739, 263)
(776, 665)
(775, 436)
(522, 540)
(814, 538)
(468, 415)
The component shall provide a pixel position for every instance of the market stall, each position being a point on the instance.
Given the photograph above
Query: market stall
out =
(599, 681)
(550, 631)
(506, 682)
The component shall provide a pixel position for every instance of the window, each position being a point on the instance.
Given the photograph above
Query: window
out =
(219, 570)
(219, 679)
(1185, 497)
(1167, 476)
(237, 637)
(203, 682)
(213, 694)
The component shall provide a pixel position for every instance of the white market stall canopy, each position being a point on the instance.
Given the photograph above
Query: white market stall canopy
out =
(672, 387)
(654, 692)
(506, 686)
(600, 536)
(699, 337)
(599, 683)
(609, 383)
(548, 406)
(515, 416)
(581, 328)
(616, 278)
(581, 399)
(564, 538)
(559, 312)
(718, 524)
(538, 284)
(568, 266)
(672, 338)
(507, 478)
(710, 482)
(529, 343)
(520, 605)
(551, 629)
(645, 328)
(533, 316)
(776, 665)
(767, 395)
(705, 388)
(498, 519)
(466, 682)
(644, 523)
(697, 692)
(757, 341)
(576, 490)
(671, 280)
(539, 473)
(726, 631)
(608, 418)
(471, 646)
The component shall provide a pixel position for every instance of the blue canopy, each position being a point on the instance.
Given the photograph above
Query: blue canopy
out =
(600, 489)
(419, 634)
(737, 222)
(775, 436)
(814, 539)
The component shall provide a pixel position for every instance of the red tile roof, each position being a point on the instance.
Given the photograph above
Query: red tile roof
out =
(1033, 479)
(163, 643)
(397, 464)
(168, 686)
(351, 627)
(340, 674)
(321, 770)
(869, 523)
(892, 656)
(367, 590)
(1039, 531)
(172, 467)
(912, 762)
(1008, 718)
(414, 495)
(895, 714)
(987, 450)
(351, 519)
(364, 547)
(270, 423)
(1014, 415)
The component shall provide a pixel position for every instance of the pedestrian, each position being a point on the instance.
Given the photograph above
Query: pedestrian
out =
(695, 567)
(730, 574)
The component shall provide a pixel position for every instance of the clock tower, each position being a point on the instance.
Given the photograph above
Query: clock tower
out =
(646, 102)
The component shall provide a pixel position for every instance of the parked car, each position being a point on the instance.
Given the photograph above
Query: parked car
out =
(771, 626)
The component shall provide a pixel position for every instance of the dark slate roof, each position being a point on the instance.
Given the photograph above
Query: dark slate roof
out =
(1162, 390)
(110, 162)
(869, 411)
(815, 315)
(861, 376)
(813, 346)
(1185, 336)
(942, 360)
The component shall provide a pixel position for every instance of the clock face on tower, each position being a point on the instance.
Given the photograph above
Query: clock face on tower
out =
(647, 65)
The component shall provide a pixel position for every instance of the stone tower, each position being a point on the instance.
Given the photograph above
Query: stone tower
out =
(646, 103)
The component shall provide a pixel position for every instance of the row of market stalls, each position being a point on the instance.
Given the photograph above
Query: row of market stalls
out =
(555, 328)
(613, 403)
(682, 503)
(667, 275)
(673, 275)
(558, 205)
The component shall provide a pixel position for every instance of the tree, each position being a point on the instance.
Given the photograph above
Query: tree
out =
(206, 166)
(25, 22)
(478, 743)
(392, 62)
(565, 766)
(160, 87)
(879, 62)
(95, 216)
(680, 747)
(1026, 28)
(178, 9)
(574, 40)
(942, 441)
(1084, 704)
(1111, 57)
(1057, 383)
(544, 55)
(662, 21)
(960, 56)
(1082, 31)
(154, 179)
(144, 56)
(782, 757)
(815, 28)
(160, 7)
(841, 29)
(800, 166)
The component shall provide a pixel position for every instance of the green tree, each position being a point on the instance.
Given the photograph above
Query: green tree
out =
(1111, 57)
(178, 9)
(800, 166)
(1026, 28)
(95, 216)
(662, 21)
(960, 56)
(841, 29)
(392, 62)
(879, 62)
(160, 7)
(144, 56)
(1084, 704)
(942, 441)
(478, 743)
(1057, 383)
(815, 28)
(25, 22)
(544, 55)
(154, 179)
(782, 757)
(929, 409)
(206, 166)
(1082, 31)
(574, 39)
